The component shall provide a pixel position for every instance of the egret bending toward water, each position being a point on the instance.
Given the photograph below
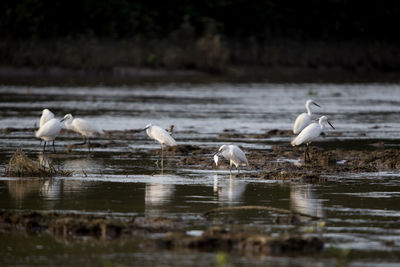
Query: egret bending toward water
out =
(304, 119)
(81, 126)
(49, 131)
(310, 133)
(234, 154)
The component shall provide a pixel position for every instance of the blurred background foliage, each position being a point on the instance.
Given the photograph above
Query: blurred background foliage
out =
(206, 35)
(234, 19)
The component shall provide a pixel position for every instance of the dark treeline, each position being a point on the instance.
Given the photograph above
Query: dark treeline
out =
(234, 19)
(224, 36)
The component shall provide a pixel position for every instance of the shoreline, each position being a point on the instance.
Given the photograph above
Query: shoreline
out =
(211, 58)
(130, 75)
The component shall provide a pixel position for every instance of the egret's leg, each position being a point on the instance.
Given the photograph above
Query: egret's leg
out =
(84, 141)
(44, 146)
(54, 149)
(238, 168)
(230, 167)
(162, 156)
(88, 144)
(308, 155)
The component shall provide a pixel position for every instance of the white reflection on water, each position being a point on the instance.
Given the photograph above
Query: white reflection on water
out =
(354, 107)
(22, 189)
(157, 195)
(229, 190)
(303, 200)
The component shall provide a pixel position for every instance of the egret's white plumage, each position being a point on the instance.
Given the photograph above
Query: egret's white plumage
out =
(234, 154)
(160, 135)
(304, 119)
(310, 133)
(81, 126)
(49, 131)
(46, 116)
(216, 159)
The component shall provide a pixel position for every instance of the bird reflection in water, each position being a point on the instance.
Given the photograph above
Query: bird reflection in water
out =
(229, 191)
(34, 188)
(157, 195)
(303, 200)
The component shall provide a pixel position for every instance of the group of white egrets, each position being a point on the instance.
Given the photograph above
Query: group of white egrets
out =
(303, 126)
(50, 128)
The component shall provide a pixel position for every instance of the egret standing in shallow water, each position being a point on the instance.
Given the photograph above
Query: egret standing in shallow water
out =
(310, 133)
(81, 126)
(46, 116)
(161, 136)
(234, 154)
(49, 131)
(304, 119)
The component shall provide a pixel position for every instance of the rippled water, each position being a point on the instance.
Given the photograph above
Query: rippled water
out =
(361, 211)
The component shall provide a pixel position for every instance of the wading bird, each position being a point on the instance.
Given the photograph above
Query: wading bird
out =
(234, 154)
(49, 131)
(46, 116)
(81, 126)
(304, 119)
(310, 133)
(161, 136)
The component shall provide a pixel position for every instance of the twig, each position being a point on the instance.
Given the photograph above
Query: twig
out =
(268, 208)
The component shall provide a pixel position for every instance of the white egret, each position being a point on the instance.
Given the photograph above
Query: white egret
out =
(46, 116)
(304, 119)
(310, 133)
(81, 126)
(160, 135)
(234, 154)
(49, 131)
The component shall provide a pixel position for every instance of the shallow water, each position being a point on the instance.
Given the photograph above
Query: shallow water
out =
(360, 211)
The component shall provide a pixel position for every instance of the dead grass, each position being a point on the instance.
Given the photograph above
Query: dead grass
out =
(21, 166)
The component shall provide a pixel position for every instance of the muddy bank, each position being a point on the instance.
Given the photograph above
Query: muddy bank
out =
(287, 163)
(280, 162)
(206, 59)
(239, 239)
(171, 234)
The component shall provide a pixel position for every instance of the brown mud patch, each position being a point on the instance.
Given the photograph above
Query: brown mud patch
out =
(170, 233)
(287, 163)
(238, 239)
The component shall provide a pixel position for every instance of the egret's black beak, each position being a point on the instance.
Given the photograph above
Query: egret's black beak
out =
(316, 104)
(331, 125)
(63, 119)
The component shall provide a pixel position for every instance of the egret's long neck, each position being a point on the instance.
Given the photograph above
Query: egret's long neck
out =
(68, 123)
(322, 125)
(308, 108)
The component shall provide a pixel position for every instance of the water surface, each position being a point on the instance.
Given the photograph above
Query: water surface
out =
(360, 211)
